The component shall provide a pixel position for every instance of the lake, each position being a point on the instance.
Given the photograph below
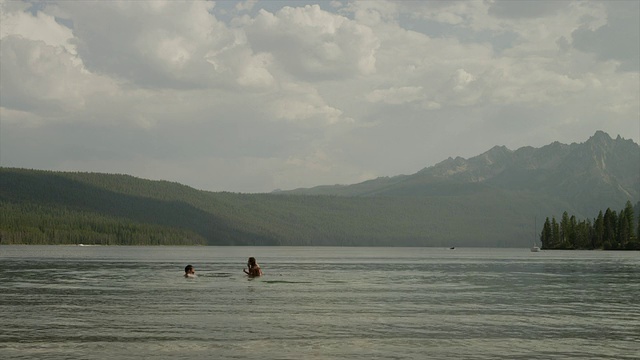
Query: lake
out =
(93, 302)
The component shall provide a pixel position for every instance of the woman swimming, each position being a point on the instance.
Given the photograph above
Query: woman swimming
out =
(253, 269)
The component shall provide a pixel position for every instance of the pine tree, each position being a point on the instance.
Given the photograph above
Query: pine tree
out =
(627, 217)
(564, 231)
(610, 229)
(637, 241)
(555, 234)
(598, 236)
(545, 236)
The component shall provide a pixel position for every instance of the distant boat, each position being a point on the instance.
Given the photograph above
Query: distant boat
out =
(535, 247)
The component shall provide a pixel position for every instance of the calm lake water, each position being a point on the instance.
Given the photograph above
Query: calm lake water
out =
(72, 302)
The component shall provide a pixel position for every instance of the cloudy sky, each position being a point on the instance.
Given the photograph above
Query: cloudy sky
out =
(252, 96)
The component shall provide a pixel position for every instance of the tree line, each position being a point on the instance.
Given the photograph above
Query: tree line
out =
(44, 225)
(44, 207)
(610, 230)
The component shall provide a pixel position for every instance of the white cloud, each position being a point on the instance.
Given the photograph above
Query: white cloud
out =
(395, 95)
(271, 97)
(303, 104)
(462, 79)
(167, 49)
(44, 79)
(313, 44)
(246, 5)
(373, 13)
(14, 20)
(256, 73)
(622, 25)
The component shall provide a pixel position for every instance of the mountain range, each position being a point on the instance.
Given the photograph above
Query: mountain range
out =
(591, 176)
(490, 200)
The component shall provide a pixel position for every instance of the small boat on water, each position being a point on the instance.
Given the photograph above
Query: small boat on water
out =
(535, 247)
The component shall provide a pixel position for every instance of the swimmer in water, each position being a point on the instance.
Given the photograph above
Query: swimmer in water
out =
(189, 271)
(253, 269)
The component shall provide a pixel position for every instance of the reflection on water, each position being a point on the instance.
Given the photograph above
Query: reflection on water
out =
(63, 302)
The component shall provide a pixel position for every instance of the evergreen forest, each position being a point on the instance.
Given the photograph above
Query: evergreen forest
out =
(609, 231)
(48, 207)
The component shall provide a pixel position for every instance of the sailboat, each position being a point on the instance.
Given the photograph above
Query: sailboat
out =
(535, 247)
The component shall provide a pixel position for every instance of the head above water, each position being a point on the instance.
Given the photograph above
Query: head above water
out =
(189, 269)
(251, 262)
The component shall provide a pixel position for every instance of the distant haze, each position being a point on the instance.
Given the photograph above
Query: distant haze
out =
(590, 176)
(253, 96)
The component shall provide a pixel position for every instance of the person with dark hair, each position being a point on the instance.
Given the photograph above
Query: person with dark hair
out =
(189, 271)
(253, 269)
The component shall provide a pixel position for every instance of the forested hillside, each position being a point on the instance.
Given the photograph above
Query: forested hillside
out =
(69, 208)
(488, 200)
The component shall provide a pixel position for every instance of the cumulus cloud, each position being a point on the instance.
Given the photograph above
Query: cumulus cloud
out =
(462, 79)
(313, 44)
(395, 95)
(41, 72)
(39, 78)
(168, 48)
(525, 9)
(304, 105)
(255, 73)
(17, 21)
(246, 5)
(618, 39)
(252, 96)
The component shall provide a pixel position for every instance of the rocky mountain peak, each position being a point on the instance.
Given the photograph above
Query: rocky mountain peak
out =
(598, 173)
(600, 139)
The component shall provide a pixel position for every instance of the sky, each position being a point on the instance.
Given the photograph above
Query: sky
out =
(253, 96)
